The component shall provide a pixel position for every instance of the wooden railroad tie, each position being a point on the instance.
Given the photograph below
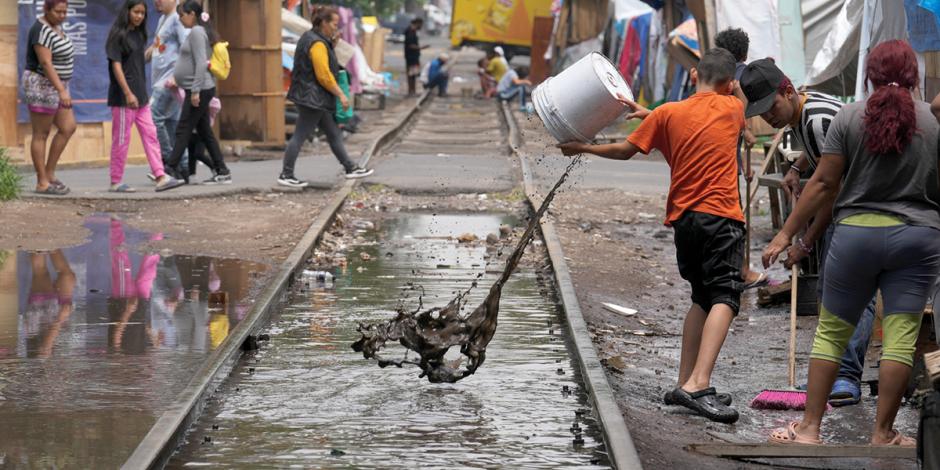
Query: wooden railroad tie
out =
(768, 450)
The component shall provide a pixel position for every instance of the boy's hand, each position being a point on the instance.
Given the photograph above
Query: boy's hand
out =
(749, 138)
(572, 148)
(636, 111)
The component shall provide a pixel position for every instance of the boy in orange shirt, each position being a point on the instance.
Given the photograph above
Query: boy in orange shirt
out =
(697, 137)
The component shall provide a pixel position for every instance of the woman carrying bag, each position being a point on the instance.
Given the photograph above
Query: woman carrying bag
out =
(314, 90)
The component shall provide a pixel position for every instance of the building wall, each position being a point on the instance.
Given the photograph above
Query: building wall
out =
(91, 143)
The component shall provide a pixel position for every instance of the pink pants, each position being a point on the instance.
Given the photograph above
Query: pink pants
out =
(123, 284)
(123, 119)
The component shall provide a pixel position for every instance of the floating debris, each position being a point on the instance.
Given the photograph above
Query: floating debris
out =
(431, 333)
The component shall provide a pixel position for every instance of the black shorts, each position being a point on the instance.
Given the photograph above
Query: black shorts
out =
(710, 254)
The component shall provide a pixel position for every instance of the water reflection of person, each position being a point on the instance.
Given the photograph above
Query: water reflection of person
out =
(130, 295)
(50, 301)
(166, 297)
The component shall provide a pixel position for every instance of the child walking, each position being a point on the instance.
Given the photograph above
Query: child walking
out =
(127, 96)
(698, 137)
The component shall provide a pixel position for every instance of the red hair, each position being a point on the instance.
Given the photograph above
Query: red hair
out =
(890, 119)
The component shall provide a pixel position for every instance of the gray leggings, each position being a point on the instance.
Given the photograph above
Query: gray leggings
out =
(307, 121)
(902, 261)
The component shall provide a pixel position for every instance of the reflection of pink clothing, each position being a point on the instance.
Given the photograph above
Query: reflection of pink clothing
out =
(122, 284)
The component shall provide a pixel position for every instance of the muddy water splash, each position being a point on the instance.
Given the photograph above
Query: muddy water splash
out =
(431, 333)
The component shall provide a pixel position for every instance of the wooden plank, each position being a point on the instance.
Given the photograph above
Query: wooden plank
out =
(8, 127)
(541, 36)
(768, 450)
(932, 363)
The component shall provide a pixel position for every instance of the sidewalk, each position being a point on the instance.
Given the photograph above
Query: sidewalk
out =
(322, 170)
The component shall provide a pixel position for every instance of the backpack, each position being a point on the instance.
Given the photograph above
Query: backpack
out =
(219, 63)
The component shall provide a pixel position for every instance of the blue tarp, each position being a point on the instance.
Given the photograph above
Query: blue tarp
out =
(87, 25)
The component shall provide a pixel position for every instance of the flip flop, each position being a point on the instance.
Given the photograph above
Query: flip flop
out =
(788, 436)
(122, 188)
(53, 190)
(762, 280)
(900, 440)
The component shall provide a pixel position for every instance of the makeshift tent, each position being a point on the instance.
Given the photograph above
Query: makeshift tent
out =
(859, 25)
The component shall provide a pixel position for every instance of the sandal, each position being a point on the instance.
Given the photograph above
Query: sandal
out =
(900, 440)
(788, 435)
(121, 188)
(53, 190)
(762, 280)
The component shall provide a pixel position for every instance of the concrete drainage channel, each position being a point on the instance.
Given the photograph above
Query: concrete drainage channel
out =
(406, 421)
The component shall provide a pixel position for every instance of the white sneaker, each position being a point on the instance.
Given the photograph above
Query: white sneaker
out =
(218, 179)
(359, 172)
(291, 182)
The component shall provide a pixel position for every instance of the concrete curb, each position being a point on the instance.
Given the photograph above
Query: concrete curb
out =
(164, 437)
(620, 448)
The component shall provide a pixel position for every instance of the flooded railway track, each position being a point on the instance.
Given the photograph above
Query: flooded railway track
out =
(306, 399)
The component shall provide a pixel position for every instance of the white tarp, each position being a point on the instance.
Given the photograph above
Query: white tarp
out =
(838, 58)
(758, 18)
(626, 9)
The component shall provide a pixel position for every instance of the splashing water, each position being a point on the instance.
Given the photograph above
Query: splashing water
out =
(431, 333)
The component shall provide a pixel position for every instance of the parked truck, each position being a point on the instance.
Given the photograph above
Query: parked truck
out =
(488, 23)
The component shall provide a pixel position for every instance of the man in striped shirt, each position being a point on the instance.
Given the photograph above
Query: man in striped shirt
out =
(771, 95)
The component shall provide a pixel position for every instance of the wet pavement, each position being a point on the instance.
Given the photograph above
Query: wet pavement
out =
(97, 339)
(306, 399)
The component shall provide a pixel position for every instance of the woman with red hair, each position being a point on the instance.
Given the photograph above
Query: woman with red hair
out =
(879, 167)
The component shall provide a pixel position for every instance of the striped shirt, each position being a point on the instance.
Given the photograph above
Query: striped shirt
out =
(818, 111)
(63, 52)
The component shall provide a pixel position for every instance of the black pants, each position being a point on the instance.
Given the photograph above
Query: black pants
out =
(197, 151)
(196, 119)
(308, 119)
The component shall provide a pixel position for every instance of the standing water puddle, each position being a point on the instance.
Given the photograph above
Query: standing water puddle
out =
(96, 340)
(307, 400)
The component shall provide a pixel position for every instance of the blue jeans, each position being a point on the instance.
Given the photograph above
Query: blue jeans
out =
(511, 92)
(166, 116)
(439, 80)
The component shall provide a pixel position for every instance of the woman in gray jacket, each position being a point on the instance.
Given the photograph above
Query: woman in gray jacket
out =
(192, 75)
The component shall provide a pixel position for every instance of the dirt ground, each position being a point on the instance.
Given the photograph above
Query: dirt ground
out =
(257, 227)
(619, 252)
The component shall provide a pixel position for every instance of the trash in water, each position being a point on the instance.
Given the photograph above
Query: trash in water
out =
(431, 333)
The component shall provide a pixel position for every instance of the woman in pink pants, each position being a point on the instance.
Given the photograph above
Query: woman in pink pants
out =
(127, 96)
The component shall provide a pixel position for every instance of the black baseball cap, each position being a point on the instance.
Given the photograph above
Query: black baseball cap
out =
(759, 82)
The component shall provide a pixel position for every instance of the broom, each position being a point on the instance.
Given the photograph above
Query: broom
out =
(789, 399)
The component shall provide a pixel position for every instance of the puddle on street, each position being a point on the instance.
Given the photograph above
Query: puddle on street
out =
(97, 339)
(306, 399)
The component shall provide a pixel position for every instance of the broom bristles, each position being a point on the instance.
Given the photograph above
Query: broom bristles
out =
(779, 400)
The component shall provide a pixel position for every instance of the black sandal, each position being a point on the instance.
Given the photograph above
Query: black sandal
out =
(724, 398)
(705, 403)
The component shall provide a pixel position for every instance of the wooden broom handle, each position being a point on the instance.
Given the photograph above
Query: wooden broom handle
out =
(791, 358)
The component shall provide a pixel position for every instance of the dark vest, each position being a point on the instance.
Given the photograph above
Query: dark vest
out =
(305, 90)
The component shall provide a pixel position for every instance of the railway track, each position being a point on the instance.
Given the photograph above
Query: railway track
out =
(562, 383)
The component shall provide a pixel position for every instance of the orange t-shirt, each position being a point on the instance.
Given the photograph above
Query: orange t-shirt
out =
(698, 136)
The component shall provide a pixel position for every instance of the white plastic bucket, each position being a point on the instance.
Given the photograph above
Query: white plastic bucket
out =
(582, 100)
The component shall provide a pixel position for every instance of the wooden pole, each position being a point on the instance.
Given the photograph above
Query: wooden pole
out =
(747, 209)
